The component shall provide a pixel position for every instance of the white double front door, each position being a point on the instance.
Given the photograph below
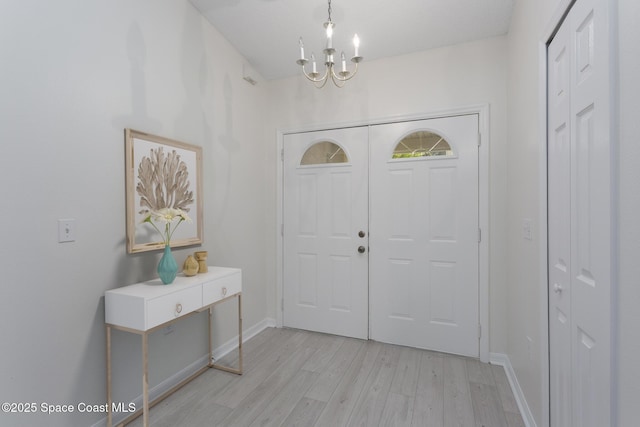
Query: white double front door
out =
(384, 246)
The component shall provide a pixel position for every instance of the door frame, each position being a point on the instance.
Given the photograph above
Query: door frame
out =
(482, 110)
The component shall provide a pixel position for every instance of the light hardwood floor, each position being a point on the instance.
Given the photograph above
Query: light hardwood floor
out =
(300, 378)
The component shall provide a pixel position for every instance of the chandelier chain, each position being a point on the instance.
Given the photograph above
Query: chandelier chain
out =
(329, 10)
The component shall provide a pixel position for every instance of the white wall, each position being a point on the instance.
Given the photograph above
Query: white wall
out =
(456, 76)
(525, 303)
(74, 74)
(531, 20)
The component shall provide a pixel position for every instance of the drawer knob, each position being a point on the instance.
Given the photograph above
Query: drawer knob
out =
(178, 308)
(224, 290)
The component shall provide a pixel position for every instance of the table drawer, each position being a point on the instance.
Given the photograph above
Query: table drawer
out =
(176, 304)
(221, 288)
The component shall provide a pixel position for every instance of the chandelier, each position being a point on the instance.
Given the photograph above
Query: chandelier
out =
(340, 77)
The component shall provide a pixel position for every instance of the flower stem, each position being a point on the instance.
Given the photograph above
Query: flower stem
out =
(174, 229)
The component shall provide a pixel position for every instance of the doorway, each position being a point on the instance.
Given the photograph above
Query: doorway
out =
(381, 232)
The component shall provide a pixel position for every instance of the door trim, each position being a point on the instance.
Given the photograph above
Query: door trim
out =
(552, 27)
(482, 110)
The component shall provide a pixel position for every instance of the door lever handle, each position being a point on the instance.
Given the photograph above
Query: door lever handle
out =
(361, 249)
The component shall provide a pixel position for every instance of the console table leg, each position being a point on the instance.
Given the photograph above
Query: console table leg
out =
(210, 341)
(228, 368)
(145, 381)
(240, 333)
(109, 415)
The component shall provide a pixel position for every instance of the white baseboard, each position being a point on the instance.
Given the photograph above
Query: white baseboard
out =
(503, 360)
(232, 344)
(185, 373)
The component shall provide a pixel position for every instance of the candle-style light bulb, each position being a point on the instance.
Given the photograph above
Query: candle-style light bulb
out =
(344, 62)
(356, 44)
(301, 48)
(329, 35)
(313, 63)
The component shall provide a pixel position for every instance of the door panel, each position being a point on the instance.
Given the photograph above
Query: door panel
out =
(424, 236)
(559, 226)
(325, 206)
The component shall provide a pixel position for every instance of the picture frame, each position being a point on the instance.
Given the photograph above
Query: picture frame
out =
(161, 173)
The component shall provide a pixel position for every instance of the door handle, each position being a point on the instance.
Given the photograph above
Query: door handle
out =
(361, 249)
(361, 233)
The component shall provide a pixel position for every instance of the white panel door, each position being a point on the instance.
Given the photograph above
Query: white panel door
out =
(424, 237)
(559, 226)
(580, 220)
(326, 231)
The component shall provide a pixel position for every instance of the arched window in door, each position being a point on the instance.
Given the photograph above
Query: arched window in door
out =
(324, 152)
(422, 143)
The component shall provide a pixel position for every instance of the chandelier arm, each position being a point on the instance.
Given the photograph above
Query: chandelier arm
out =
(324, 82)
(337, 80)
(334, 76)
(315, 80)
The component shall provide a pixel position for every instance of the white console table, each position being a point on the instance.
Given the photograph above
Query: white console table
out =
(146, 307)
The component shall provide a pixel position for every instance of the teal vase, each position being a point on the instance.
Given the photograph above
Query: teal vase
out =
(167, 267)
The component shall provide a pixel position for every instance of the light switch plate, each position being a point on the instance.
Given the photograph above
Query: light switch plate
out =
(527, 229)
(66, 230)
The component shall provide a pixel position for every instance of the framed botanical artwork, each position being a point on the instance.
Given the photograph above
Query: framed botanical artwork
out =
(162, 174)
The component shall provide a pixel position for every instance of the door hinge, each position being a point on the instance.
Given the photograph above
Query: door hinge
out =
(479, 331)
(479, 235)
(282, 154)
(479, 139)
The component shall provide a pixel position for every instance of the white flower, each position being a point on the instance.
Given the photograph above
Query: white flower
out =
(166, 216)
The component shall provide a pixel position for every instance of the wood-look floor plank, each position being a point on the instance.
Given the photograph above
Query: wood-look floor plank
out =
(331, 376)
(194, 401)
(398, 411)
(509, 403)
(487, 408)
(285, 401)
(479, 372)
(258, 399)
(327, 348)
(280, 350)
(514, 419)
(305, 413)
(370, 405)
(458, 409)
(405, 379)
(429, 403)
(344, 399)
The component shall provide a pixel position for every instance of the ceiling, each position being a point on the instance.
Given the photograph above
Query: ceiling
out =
(266, 32)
